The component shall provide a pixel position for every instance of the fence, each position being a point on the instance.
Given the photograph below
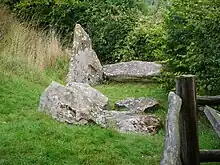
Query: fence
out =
(181, 145)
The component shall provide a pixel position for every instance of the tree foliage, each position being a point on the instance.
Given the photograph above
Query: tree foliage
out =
(192, 43)
(145, 42)
(112, 24)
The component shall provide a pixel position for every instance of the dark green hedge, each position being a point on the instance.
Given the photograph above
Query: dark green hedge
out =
(112, 24)
(119, 28)
(145, 42)
(123, 30)
(193, 43)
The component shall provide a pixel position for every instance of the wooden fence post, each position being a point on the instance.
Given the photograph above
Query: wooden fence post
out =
(189, 148)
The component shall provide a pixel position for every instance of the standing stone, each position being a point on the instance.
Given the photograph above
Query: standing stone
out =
(78, 104)
(85, 66)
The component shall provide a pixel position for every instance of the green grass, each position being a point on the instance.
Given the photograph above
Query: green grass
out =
(120, 91)
(30, 137)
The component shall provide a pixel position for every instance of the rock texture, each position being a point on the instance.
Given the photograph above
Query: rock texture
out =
(129, 122)
(91, 93)
(132, 71)
(78, 104)
(171, 153)
(85, 66)
(137, 105)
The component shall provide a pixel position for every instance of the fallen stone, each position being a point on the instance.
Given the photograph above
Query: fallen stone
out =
(85, 66)
(137, 105)
(129, 122)
(78, 104)
(91, 93)
(132, 71)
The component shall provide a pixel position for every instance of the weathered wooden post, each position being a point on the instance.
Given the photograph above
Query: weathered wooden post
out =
(189, 148)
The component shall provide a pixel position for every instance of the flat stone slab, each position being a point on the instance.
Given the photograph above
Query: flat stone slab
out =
(137, 105)
(132, 71)
(128, 122)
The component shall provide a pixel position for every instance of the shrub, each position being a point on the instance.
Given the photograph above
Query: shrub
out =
(108, 22)
(193, 43)
(145, 41)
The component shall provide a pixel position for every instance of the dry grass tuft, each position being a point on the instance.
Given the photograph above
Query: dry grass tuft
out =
(24, 45)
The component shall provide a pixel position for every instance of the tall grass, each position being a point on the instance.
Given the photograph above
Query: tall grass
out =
(24, 49)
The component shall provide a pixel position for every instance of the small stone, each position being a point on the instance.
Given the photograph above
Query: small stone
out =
(128, 122)
(137, 105)
(201, 108)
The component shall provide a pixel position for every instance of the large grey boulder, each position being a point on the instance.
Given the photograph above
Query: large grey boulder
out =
(85, 66)
(87, 91)
(128, 122)
(78, 104)
(137, 105)
(132, 71)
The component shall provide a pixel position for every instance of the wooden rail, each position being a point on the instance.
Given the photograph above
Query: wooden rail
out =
(208, 100)
(210, 156)
(214, 118)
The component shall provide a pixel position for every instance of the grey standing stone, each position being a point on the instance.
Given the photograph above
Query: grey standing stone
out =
(85, 66)
(171, 153)
(137, 105)
(132, 71)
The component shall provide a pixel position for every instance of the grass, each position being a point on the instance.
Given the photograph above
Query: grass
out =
(30, 53)
(120, 91)
(30, 137)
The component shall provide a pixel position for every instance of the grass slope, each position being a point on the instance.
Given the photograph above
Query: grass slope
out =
(30, 137)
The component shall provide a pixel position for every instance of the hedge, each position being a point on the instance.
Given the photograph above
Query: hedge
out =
(192, 43)
(112, 25)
